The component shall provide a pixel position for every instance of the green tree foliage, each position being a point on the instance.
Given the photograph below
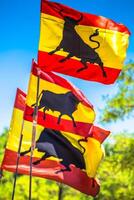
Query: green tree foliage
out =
(117, 172)
(121, 104)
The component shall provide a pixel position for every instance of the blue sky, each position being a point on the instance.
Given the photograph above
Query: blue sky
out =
(19, 38)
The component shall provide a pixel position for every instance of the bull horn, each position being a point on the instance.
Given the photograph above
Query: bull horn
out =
(81, 17)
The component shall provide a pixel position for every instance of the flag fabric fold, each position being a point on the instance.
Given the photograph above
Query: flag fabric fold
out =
(99, 134)
(80, 44)
(61, 105)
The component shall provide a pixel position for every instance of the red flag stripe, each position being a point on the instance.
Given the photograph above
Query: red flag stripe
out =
(93, 72)
(52, 8)
(65, 125)
(99, 133)
(47, 169)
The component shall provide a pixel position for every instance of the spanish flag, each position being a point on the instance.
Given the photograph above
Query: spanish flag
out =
(80, 44)
(58, 155)
(61, 106)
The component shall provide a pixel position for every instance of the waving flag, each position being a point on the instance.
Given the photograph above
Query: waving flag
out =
(79, 44)
(65, 157)
(61, 106)
(58, 155)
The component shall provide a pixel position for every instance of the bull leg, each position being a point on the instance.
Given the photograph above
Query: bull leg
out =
(44, 110)
(42, 158)
(25, 152)
(85, 66)
(103, 71)
(44, 117)
(74, 124)
(52, 52)
(33, 104)
(66, 58)
(100, 63)
(38, 161)
(67, 169)
(59, 118)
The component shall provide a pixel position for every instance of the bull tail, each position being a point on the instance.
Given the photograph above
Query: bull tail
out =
(38, 98)
(96, 33)
(82, 140)
(40, 94)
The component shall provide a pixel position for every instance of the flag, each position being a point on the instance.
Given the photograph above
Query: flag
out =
(14, 132)
(80, 44)
(66, 164)
(61, 105)
(58, 155)
(98, 133)
(17, 118)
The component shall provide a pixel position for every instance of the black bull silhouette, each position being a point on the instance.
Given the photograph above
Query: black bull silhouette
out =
(53, 143)
(75, 46)
(66, 103)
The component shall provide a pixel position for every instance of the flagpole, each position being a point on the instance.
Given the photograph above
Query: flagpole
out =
(18, 158)
(1, 174)
(60, 191)
(35, 116)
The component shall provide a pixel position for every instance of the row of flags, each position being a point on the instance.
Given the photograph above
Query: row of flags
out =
(62, 150)
(67, 146)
